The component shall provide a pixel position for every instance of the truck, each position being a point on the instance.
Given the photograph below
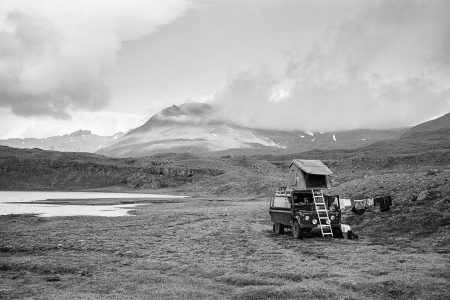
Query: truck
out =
(302, 206)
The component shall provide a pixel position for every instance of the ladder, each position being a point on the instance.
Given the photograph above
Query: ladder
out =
(322, 213)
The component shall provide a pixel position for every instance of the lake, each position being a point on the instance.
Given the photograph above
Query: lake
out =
(17, 202)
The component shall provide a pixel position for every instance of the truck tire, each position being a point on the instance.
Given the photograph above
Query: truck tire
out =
(278, 228)
(296, 230)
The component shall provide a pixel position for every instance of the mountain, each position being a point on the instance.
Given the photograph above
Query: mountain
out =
(427, 137)
(430, 134)
(441, 124)
(78, 141)
(197, 128)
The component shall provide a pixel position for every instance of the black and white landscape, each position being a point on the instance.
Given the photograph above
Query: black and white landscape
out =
(141, 143)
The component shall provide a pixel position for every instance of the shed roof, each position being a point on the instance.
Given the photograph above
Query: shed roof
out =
(311, 166)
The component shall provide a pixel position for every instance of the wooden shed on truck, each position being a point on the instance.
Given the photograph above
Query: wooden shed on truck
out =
(308, 174)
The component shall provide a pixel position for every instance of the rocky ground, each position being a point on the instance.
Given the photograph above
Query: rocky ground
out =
(221, 245)
(208, 249)
(420, 214)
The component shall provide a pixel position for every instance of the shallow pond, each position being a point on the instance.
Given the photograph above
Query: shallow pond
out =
(10, 203)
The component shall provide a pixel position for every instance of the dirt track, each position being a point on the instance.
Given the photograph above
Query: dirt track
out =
(204, 249)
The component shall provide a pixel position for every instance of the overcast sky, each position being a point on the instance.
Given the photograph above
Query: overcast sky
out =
(313, 65)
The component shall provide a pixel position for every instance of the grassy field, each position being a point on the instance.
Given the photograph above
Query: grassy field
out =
(200, 248)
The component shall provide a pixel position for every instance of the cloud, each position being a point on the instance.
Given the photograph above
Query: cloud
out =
(379, 65)
(101, 123)
(54, 54)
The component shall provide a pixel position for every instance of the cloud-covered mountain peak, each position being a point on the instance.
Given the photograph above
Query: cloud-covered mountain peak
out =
(200, 128)
(194, 114)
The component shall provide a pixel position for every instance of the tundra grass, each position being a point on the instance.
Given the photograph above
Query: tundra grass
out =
(198, 248)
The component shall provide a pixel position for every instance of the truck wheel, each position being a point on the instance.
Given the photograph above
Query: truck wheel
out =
(278, 228)
(296, 230)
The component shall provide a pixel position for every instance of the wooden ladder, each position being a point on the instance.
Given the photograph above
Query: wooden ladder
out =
(322, 213)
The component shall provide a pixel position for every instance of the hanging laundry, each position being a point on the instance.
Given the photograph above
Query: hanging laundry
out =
(383, 202)
(345, 229)
(388, 200)
(344, 203)
(359, 207)
(387, 203)
(377, 200)
(369, 204)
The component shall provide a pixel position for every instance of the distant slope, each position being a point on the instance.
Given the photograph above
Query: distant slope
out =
(422, 145)
(78, 141)
(429, 136)
(439, 124)
(35, 169)
(195, 128)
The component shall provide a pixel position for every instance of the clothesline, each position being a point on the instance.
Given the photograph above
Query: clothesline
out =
(359, 206)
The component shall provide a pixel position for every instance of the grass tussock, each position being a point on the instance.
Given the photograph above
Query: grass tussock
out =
(207, 249)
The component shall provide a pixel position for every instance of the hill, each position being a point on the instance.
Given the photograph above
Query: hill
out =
(35, 169)
(78, 141)
(430, 137)
(27, 169)
(201, 174)
(436, 125)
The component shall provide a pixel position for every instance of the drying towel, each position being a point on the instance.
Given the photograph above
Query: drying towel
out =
(345, 228)
(359, 207)
(344, 203)
(369, 204)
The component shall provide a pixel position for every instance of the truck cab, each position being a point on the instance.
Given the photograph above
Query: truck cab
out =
(296, 209)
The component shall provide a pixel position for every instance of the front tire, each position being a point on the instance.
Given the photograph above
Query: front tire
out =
(296, 230)
(278, 228)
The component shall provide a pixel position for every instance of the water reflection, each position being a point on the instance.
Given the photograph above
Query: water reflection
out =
(7, 205)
